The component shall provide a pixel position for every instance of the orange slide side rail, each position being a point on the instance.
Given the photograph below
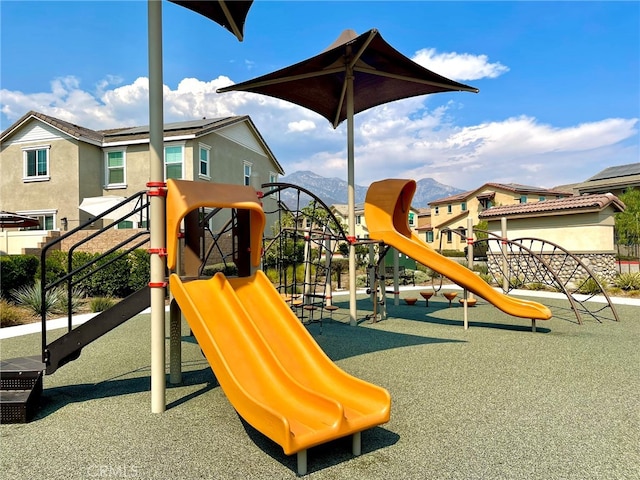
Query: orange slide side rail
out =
(386, 214)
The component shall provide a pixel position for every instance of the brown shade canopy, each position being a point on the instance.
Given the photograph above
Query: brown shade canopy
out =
(231, 14)
(355, 73)
(15, 220)
(381, 74)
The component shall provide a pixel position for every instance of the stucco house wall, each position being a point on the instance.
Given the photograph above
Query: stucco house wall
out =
(77, 166)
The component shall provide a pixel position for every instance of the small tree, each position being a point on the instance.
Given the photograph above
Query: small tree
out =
(628, 222)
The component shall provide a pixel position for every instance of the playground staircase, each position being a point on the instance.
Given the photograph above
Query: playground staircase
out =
(21, 378)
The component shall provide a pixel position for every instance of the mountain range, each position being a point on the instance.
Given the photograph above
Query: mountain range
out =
(334, 191)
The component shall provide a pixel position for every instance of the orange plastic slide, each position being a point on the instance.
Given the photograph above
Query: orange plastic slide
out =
(386, 213)
(270, 368)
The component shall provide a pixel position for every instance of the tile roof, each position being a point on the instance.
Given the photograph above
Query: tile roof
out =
(572, 204)
(510, 187)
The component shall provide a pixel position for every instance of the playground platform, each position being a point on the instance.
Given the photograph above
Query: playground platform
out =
(493, 401)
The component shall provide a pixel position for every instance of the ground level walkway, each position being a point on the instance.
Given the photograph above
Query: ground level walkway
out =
(495, 401)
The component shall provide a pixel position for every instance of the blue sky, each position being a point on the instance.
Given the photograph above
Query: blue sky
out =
(559, 81)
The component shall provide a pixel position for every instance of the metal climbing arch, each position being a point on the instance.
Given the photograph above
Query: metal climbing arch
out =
(298, 253)
(522, 263)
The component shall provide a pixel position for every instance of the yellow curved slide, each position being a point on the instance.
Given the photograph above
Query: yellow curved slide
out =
(386, 211)
(270, 368)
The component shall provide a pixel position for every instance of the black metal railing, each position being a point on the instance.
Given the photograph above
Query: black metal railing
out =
(137, 207)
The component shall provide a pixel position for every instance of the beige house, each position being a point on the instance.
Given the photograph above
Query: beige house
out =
(583, 225)
(48, 166)
(341, 212)
(453, 212)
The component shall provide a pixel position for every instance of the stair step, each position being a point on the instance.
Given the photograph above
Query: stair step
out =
(20, 389)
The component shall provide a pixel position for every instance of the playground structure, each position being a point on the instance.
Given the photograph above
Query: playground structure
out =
(521, 263)
(246, 324)
(272, 371)
(386, 212)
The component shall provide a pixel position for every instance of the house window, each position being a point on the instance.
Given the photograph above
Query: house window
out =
(36, 164)
(436, 210)
(47, 219)
(523, 199)
(485, 203)
(541, 198)
(358, 219)
(449, 236)
(247, 174)
(125, 225)
(273, 178)
(203, 169)
(173, 162)
(463, 206)
(430, 236)
(449, 208)
(115, 169)
(411, 219)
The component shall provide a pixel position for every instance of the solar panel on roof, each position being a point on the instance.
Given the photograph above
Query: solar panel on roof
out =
(171, 126)
(618, 171)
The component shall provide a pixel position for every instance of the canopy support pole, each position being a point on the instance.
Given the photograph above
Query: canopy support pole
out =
(351, 198)
(157, 238)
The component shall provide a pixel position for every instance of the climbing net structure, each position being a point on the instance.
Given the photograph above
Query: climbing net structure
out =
(299, 251)
(526, 263)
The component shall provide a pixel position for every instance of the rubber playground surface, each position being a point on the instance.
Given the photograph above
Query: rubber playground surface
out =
(493, 402)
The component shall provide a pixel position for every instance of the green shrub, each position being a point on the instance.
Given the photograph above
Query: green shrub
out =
(17, 271)
(628, 281)
(535, 286)
(273, 275)
(109, 277)
(9, 314)
(139, 269)
(228, 269)
(420, 277)
(100, 304)
(30, 297)
(56, 266)
(481, 268)
(590, 286)
(452, 253)
(77, 300)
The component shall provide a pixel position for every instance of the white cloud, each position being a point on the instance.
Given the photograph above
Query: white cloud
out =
(459, 66)
(403, 139)
(301, 126)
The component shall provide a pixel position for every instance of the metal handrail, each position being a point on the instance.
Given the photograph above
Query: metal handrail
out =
(142, 205)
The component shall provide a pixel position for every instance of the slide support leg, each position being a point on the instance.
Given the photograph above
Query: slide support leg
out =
(533, 325)
(302, 462)
(356, 444)
(175, 343)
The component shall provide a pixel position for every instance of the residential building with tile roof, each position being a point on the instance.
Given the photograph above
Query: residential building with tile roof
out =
(452, 212)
